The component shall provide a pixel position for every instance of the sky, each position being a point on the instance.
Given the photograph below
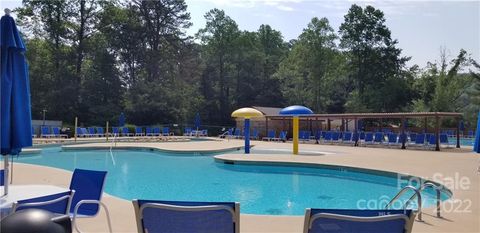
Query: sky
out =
(422, 28)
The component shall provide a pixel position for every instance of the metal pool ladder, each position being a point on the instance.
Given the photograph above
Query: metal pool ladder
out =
(418, 195)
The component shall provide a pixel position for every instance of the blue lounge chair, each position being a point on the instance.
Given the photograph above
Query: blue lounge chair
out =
(324, 134)
(282, 136)
(91, 132)
(328, 137)
(45, 133)
(126, 132)
(379, 138)
(149, 131)
(156, 131)
(471, 134)
(392, 139)
(88, 186)
(86, 133)
(419, 140)
(166, 132)
(237, 134)
(183, 217)
(115, 131)
(368, 138)
(187, 131)
(358, 221)
(361, 136)
(204, 133)
(100, 132)
(413, 137)
(347, 138)
(58, 203)
(139, 131)
(57, 134)
(270, 136)
(336, 136)
(254, 134)
(444, 140)
(304, 135)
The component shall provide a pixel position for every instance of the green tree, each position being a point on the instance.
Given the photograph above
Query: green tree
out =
(374, 63)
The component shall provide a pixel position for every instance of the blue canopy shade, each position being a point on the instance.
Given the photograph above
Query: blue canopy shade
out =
(121, 120)
(196, 121)
(296, 110)
(15, 113)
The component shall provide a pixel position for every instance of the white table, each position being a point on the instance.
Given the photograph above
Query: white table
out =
(20, 192)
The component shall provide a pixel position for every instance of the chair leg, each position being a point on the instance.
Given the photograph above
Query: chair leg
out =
(74, 223)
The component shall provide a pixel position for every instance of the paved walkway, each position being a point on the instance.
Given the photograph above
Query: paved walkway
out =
(451, 167)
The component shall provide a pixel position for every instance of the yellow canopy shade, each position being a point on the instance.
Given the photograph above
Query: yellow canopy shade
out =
(247, 113)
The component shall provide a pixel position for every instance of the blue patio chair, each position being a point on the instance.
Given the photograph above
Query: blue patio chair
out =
(204, 132)
(282, 136)
(57, 133)
(471, 134)
(328, 136)
(444, 140)
(45, 132)
(347, 137)
(361, 136)
(304, 135)
(126, 132)
(186, 217)
(324, 134)
(156, 131)
(335, 136)
(166, 132)
(237, 134)
(85, 132)
(187, 131)
(419, 140)
(88, 186)
(139, 131)
(379, 138)
(368, 138)
(91, 131)
(254, 135)
(392, 139)
(413, 137)
(270, 135)
(148, 131)
(318, 135)
(100, 132)
(115, 132)
(358, 221)
(58, 203)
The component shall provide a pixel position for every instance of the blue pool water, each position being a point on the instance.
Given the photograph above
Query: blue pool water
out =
(273, 190)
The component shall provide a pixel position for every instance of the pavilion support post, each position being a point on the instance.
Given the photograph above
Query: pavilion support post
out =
(266, 126)
(425, 125)
(328, 125)
(437, 133)
(458, 132)
(76, 125)
(355, 124)
(346, 125)
(403, 136)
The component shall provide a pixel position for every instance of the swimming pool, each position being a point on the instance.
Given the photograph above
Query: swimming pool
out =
(260, 189)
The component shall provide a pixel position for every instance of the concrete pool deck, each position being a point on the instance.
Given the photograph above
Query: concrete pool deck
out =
(455, 168)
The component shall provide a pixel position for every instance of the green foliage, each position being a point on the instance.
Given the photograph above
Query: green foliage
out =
(94, 59)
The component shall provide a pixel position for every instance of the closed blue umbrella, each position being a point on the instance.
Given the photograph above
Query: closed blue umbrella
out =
(121, 120)
(197, 121)
(15, 113)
